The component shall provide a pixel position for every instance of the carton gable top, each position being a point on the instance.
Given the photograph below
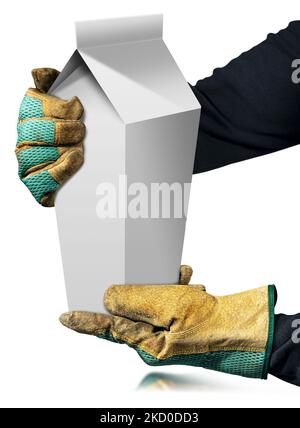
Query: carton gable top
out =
(133, 66)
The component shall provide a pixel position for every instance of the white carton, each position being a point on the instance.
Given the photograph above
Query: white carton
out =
(142, 121)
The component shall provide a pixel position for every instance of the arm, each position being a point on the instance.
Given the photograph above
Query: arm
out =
(250, 107)
(285, 359)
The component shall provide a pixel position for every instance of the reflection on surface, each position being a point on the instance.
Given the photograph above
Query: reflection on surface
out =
(166, 382)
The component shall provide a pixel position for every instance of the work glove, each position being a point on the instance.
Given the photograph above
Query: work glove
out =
(183, 324)
(49, 146)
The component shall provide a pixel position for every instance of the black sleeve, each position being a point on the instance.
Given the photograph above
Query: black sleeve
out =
(251, 106)
(285, 359)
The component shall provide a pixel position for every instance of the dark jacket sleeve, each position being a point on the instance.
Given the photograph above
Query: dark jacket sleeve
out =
(285, 359)
(251, 106)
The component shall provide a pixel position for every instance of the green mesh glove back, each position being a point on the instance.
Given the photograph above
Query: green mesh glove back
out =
(49, 146)
(182, 324)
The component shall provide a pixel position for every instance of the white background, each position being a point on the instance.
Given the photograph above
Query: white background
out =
(243, 227)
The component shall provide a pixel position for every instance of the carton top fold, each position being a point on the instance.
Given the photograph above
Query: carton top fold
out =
(118, 30)
(131, 63)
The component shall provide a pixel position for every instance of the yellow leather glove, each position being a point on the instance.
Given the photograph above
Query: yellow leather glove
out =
(49, 147)
(183, 324)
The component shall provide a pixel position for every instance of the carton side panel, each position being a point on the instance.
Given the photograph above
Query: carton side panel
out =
(158, 151)
(92, 247)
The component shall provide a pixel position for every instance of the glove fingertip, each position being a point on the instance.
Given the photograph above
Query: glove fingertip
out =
(65, 319)
(186, 273)
(75, 320)
(48, 200)
(44, 78)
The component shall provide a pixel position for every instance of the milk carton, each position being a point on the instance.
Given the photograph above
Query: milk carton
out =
(121, 217)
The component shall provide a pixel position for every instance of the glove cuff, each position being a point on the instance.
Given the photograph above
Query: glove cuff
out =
(272, 293)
